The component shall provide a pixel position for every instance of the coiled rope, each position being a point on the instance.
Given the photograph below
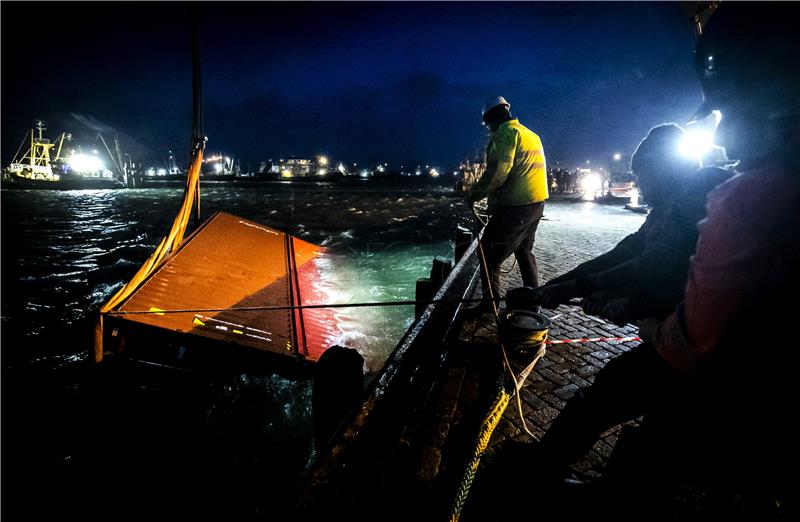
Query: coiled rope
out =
(487, 427)
(501, 399)
(528, 341)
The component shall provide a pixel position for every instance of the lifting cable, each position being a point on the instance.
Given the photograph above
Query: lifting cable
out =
(355, 305)
(294, 307)
(174, 238)
(20, 148)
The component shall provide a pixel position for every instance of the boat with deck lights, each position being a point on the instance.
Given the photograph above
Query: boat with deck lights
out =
(51, 165)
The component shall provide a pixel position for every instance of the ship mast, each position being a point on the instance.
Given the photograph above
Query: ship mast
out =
(174, 238)
(64, 136)
(40, 126)
(40, 151)
(198, 139)
(121, 164)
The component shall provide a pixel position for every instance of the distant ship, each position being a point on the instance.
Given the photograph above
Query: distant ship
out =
(303, 169)
(215, 169)
(468, 174)
(37, 168)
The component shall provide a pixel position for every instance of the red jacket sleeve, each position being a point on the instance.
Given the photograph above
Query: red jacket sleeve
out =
(726, 273)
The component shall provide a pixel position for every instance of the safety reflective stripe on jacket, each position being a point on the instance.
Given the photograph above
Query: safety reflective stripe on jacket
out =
(516, 171)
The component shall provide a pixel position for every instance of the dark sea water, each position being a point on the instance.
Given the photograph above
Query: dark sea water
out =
(65, 253)
(240, 441)
(87, 444)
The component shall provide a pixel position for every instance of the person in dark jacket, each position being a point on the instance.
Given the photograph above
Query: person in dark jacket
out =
(716, 399)
(645, 274)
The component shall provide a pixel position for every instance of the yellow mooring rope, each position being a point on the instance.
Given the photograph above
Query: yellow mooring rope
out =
(500, 403)
(503, 397)
(487, 428)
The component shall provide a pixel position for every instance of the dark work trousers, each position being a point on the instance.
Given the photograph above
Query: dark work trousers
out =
(693, 428)
(689, 424)
(622, 391)
(723, 429)
(511, 230)
(634, 384)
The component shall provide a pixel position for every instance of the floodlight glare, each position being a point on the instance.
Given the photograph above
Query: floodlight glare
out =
(696, 143)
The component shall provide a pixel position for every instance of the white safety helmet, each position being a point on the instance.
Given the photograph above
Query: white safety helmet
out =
(493, 102)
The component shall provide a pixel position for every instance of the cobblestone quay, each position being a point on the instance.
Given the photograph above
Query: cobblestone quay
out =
(571, 232)
(420, 475)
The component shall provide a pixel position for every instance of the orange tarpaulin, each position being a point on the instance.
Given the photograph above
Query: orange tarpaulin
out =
(222, 283)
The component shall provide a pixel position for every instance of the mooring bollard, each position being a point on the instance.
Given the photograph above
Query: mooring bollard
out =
(338, 383)
(428, 286)
(440, 270)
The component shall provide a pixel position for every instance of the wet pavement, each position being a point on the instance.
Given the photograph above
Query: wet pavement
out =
(571, 233)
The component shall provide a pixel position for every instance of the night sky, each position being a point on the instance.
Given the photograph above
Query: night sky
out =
(361, 82)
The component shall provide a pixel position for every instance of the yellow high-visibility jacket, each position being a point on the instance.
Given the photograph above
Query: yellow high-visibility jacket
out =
(516, 171)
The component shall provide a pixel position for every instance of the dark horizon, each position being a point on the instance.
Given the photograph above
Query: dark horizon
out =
(360, 82)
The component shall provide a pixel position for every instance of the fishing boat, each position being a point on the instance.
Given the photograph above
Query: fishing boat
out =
(218, 169)
(48, 165)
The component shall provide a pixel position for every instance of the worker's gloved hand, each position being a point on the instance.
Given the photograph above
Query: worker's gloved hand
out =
(608, 305)
(550, 296)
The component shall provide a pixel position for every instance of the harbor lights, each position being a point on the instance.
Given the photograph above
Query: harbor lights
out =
(322, 160)
(591, 183)
(85, 163)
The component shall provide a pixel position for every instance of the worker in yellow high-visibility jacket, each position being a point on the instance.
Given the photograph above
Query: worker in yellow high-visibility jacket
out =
(515, 181)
